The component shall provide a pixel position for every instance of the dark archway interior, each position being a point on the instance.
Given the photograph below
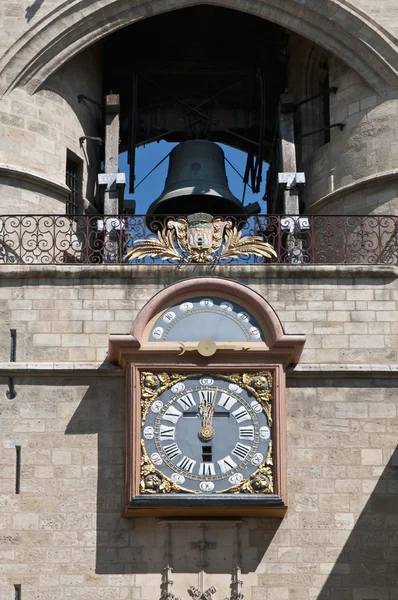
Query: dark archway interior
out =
(230, 65)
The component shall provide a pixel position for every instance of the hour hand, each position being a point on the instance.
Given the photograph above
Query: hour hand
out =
(207, 431)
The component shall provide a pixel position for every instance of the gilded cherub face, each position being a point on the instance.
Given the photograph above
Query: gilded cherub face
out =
(260, 382)
(152, 482)
(260, 482)
(151, 381)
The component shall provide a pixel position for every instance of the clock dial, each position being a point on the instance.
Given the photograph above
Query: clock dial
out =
(203, 318)
(207, 433)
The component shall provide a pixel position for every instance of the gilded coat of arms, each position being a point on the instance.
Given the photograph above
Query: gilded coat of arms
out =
(200, 238)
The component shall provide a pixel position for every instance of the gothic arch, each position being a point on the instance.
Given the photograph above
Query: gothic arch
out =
(74, 25)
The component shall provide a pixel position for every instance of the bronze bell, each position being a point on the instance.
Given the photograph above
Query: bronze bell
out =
(197, 182)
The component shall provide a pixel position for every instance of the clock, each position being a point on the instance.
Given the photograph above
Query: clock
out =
(205, 403)
(206, 317)
(206, 434)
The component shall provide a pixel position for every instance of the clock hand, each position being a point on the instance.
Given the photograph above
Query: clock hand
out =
(207, 431)
(207, 348)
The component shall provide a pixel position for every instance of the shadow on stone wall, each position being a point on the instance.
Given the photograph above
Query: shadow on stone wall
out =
(140, 545)
(367, 567)
(32, 9)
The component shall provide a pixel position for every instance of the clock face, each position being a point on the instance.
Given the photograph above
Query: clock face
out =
(203, 318)
(206, 433)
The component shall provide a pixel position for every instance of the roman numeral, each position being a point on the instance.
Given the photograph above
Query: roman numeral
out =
(167, 433)
(226, 464)
(186, 401)
(241, 451)
(207, 469)
(246, 433)
(207, 396)
(241, 414)
(172, 414)
(172, 450)
(187, 464)
(226, 401)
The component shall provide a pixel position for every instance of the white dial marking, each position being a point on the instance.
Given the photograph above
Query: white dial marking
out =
(233, 387)
(265, 433)
(236, 478)
(157, 332)
(157, 406)
(257, 459)
(178, 478)
(156, 459)
(243, 317)
(206, 381)
(178, 387)
(169, 316)
(241, 450)
(256, 406)
(226, 464)
(172, 450)
(167, 433)
(148, 433)
(226, 401)
(241, 414)
(207, 396)
(206, 303)
(207, 469)
(206, 486)
(187, 464)
(246, 433)
(185, 306)
(255, 332)
(186, 401)
(172, 414)
(227, 306)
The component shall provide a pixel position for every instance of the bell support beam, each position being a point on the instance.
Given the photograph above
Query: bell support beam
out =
(112, 182)
(288, 178)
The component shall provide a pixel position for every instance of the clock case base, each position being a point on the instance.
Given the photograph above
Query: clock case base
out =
(186, 505)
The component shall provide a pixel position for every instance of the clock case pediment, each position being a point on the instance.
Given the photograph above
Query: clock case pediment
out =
(139, 355)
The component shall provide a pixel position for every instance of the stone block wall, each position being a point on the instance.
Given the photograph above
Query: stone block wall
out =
(64, 536)
(38, 130)
(346, 320)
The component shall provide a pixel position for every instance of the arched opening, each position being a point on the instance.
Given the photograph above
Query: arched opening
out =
(204, 73)
(209, 73)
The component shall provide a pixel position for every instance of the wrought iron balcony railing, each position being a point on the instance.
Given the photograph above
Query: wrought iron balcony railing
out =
(260, 239)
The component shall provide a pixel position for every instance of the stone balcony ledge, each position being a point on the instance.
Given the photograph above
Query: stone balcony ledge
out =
(168, 271)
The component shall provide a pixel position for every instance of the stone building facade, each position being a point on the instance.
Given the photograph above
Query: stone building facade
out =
(62, 533)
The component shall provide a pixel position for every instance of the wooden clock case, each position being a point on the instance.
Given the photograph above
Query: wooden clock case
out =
(136, 355)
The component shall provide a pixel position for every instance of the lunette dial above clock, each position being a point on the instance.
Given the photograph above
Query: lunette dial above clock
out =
(210, 317)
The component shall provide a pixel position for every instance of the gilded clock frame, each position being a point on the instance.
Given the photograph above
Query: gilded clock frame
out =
(171, 500)
(259, 482)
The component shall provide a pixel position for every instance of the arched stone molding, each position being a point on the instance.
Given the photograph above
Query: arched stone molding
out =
(287, 348)
(335, 25)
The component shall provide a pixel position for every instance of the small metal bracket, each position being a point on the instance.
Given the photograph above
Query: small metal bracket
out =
(294, 224)
(304, 135)
(330, 90)
(92, 138)
(112, 182)
(82, 97)
(290, 181)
